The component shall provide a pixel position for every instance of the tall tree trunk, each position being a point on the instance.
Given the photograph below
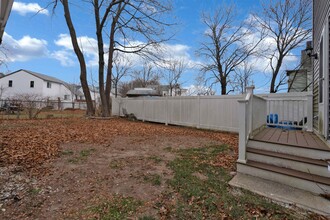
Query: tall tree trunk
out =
(275, 74)
(120, 8)
(223, 83)
(80, 56)
(100, 44)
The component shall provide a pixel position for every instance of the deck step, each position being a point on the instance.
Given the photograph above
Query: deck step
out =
(309, 182)
(303, 164)
(299, 151)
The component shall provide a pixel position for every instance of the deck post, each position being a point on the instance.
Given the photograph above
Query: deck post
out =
(242, 131)
(310, 112)
(249, 90)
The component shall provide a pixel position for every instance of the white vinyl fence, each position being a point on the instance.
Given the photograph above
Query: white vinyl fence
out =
(208, 112)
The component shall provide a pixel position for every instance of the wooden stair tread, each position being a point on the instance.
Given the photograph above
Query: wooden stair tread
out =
(318, 162)
(322, 148)
(290, 172)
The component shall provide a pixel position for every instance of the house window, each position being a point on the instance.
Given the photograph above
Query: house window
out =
(321, 79)
(10, 83)
(31, 84)
(66, 97)
(49, 85)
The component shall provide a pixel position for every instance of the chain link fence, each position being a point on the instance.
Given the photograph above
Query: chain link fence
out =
(32, 109)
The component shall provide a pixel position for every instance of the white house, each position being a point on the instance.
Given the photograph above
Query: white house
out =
(27, 82)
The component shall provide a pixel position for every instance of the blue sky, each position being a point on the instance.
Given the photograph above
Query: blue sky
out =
(40, 43)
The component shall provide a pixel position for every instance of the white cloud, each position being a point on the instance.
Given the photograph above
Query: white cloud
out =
(26, 8)
(89, 48)
(66, 58)
(66, 55)
(24, 49)
(261, 61)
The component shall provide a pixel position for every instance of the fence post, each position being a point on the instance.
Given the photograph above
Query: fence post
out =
(166, 110)
(242, 131)
(143, 109)
(310, 112)
(199, 111)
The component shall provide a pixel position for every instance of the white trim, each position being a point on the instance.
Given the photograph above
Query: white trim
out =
(8, 4)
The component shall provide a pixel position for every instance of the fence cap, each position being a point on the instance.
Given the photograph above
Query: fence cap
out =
(250, 87)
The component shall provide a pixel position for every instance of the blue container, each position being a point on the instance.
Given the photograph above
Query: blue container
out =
(272, 119)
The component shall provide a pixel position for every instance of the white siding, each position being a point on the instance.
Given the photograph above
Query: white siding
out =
(21, 85)
(56, 91)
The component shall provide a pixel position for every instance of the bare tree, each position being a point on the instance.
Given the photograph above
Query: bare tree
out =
(288, 24)
(132, 26)
(122, 67)
(123, 88)
(227, 45)
(173, 73)
(74, 92)
(243, 76)
(141, 78)
(145, 76)
(79, 54)
(33, 103)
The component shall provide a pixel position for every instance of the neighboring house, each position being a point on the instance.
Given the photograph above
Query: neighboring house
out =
(28, 82)
(163, 90)
(5, 8)
(138, 92)
(321, 91)
(156, 90)
(301, 80)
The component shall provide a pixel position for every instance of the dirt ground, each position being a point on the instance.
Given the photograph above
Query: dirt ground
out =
(59, 168)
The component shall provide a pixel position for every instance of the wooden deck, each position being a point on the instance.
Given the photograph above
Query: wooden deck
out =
(291, 137)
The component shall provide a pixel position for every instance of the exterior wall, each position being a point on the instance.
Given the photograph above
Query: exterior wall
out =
(320, 19)
(56, 91)
(297, 80)
(21, 85)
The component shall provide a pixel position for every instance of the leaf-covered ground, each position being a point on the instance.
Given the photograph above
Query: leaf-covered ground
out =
(117, 169)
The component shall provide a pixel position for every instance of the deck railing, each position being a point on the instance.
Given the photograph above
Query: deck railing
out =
(252, 113)
(290, 110)
(285, 110)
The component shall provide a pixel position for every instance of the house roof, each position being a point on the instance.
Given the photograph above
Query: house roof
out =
(41, 76)
(5, 8)
(146, 92)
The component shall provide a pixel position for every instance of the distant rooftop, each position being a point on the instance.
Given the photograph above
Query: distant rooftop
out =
(142, 92)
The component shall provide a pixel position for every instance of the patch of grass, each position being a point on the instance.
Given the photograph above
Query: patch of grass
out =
(156, 159)
(168, 148)
(87, 152)
(212, 198)
(147, 218)
(34, 191)
(117, 164)
(67, 152)
(116, 209)
(154, 179)
(82, 156)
